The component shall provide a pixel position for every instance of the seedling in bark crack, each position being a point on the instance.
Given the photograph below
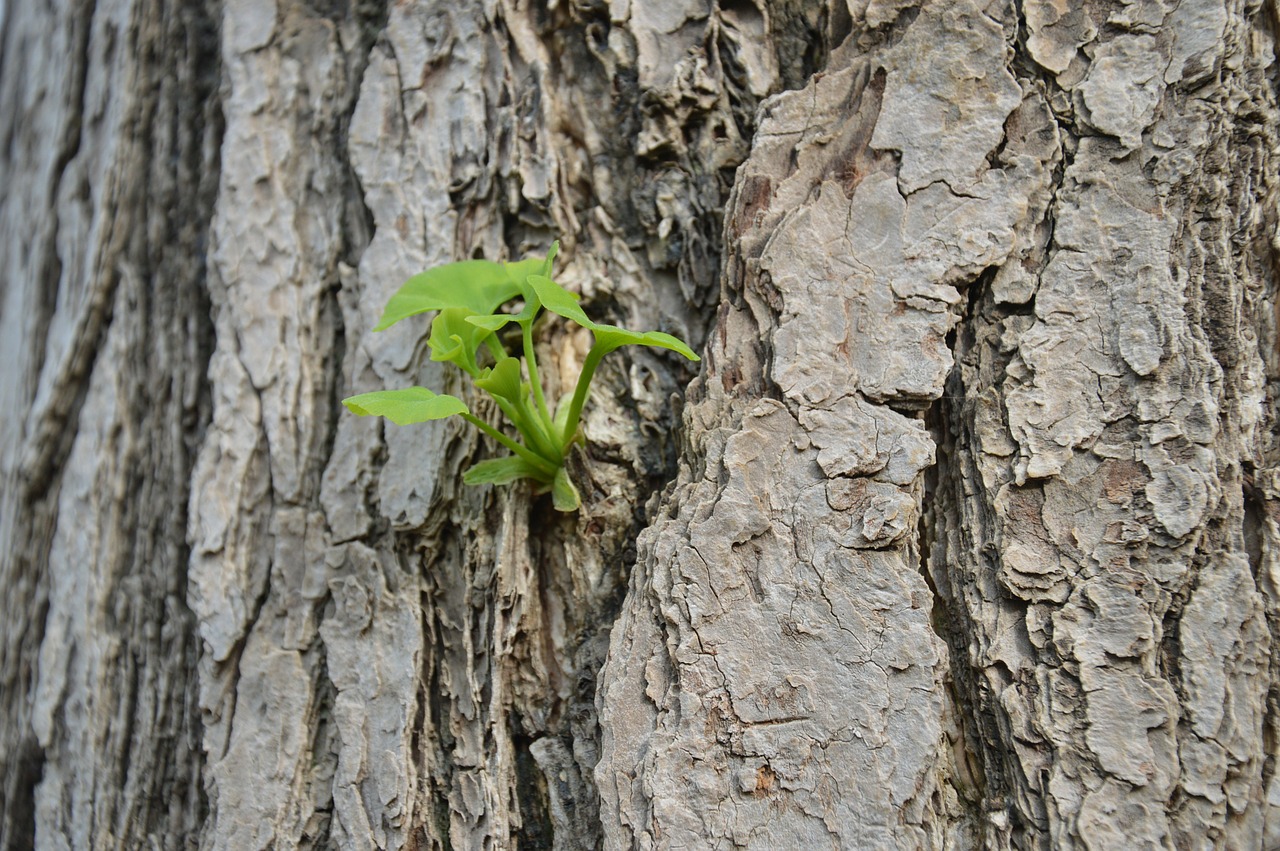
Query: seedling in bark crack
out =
(469, 298)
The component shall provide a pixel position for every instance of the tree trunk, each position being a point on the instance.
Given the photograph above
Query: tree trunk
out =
(967, 534)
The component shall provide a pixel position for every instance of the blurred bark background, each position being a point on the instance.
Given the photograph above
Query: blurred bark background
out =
(966, 535)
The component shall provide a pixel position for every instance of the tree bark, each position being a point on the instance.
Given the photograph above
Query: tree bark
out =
(966, 536)
(110, 127)
(1096, 247)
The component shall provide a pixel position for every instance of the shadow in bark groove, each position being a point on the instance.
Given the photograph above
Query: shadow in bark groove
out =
(947, 532)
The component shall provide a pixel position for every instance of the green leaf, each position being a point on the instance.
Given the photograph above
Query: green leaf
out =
(476, 285)
(495, 321)
(406, 407)
(551, 258)
(454, 339)
(503, 380)
(491, 322)
(610, 337)
(501, 471)
(564, 496)
(522, 269)
(559, 300)
(562, 415)
(531, 308)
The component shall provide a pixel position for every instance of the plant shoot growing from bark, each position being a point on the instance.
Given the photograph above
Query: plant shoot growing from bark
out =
(469, 297)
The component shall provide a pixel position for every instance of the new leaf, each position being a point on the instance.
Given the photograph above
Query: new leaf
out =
(469, 297)
(608, 337)
(501, 471)
(455, 340)
(503, 381)
(406, 407)
(479, 286)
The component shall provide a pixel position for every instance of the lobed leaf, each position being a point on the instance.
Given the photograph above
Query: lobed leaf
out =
(406, 407)
(503, 380)
(491, 322)
(610, 337)
(478, 286)
(496, 321)
(559, 300)
(521, 269)
(454, 339)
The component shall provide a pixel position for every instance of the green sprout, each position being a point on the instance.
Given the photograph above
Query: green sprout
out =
(469, 297)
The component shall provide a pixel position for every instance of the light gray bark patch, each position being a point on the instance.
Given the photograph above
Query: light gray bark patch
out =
(1179, 497)
(227, 514)
(1119, 734)
(349, 472)
(784, 733)
(1056, 32)
(1123, 87)
(881, 12)
(250, 24)
(666, 34)
(901, 258)
(374, 654)
(879, 267)
(1031, 566)
(1118, 527)
(73, 660)
(1223, 639)
(817, 255)
(1195, 30)
(1268, 571)
(1034, 148)
(950, 92)
(1140, 343)
(855, 438)
(1110, 817)
(1068, 394)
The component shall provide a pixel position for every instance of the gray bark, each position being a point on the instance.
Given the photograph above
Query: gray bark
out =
(1095, 248)
(109, 171)
(966, 535)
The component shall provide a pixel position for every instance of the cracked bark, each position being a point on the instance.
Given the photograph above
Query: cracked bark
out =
(972, 539)
(1090, 216)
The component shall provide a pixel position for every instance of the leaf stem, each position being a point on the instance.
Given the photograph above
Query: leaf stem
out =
(531, 425)
(520, 417)
(524, 452)
(580, 392)
(535, 382)
(496, 348)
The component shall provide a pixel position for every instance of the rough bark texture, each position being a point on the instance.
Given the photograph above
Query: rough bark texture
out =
(337, 645)
(109, 165)
(1100, 539)
(1083, 209)
(974, 539)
